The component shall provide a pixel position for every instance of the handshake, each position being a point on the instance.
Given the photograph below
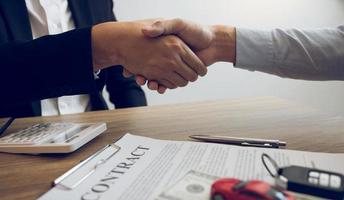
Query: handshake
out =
(166, 53)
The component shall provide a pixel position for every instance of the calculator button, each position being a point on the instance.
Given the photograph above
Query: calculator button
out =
(335, 181)
(314, 174)
(39, 133)
(324, 179)
(313, 180)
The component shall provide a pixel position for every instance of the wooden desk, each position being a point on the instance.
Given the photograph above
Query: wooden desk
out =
(29, 176)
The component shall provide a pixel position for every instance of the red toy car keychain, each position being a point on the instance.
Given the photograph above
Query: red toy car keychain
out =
(231, 188)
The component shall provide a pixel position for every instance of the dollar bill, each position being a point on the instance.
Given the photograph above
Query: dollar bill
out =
(194, 185)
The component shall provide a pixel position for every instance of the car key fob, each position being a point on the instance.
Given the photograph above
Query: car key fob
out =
(311, 181)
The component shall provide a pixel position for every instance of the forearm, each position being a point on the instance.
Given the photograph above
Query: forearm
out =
(47, 67)
(103, 54)
(307, 54)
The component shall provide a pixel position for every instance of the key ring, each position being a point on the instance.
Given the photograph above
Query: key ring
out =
(265, 157)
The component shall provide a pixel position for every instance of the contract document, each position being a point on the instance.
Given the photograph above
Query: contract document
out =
(142, 168)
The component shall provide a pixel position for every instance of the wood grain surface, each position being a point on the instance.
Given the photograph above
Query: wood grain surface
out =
(303, 128)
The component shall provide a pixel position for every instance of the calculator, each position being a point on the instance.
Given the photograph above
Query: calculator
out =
(60, 137)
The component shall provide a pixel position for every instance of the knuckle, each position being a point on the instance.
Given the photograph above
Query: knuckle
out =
(178, 21)
(154, 73)
(176, 46)
(170, 39)
(169, 85)
(159, 72)
(164, 76)
(171, 63)
(158, 22)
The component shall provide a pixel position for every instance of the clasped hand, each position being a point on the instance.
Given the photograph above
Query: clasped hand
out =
(167, 53)
(210, 44)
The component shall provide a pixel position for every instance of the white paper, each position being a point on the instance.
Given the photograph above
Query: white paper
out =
(145, 167)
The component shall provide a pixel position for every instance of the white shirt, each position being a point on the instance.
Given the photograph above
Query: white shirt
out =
(48, 17)
(301, 54)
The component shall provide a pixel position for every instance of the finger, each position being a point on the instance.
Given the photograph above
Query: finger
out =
(126, 73)
(190, 58)
(140, 80)
(177, 79)
(153, 85)
(185, 71)
(162, 89)
(167, 84)
(164, 27)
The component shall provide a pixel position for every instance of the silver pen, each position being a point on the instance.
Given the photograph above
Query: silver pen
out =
(252, 142)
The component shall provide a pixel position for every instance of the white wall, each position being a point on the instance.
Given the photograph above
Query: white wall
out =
(223, 81)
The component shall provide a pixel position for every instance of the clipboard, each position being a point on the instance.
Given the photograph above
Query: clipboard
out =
(76, 175)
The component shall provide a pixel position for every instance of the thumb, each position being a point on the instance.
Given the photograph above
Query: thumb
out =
(154, 30)
(164, 27)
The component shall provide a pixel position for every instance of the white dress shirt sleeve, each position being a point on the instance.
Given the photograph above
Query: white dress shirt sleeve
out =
(301, 54)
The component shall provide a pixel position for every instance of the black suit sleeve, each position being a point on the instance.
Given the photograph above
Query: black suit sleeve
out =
(123, 92)
(46, 67)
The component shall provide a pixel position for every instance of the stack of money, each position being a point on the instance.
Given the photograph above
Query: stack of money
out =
(194, 185)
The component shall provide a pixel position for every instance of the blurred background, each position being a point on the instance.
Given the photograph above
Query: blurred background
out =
(223, 81)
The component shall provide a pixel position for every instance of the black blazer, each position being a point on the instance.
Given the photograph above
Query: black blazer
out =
(56, 65)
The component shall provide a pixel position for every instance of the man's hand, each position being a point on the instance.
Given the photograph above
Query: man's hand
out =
(199, 38)
(167, 60)
(210, 44)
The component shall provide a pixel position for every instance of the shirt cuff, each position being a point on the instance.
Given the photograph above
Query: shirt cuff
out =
(96, 74)
(254, 50)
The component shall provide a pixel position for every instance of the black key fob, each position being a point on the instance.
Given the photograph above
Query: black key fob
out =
(311, 181)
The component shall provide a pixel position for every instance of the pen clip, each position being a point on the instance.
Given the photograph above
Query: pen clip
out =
(59, 180)
(264, 145)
